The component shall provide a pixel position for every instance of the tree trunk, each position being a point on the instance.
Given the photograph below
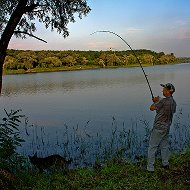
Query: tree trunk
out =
(2, 58)
(8, 32)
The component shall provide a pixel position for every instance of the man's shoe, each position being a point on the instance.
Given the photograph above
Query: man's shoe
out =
(166, 167)
(150, 172)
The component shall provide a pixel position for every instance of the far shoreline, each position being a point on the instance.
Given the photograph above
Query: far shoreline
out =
(72, 68)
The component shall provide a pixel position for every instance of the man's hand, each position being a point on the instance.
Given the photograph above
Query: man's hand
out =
(152, 107)
(156, 99)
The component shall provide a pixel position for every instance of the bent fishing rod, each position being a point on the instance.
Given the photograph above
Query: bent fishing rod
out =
(107, 31)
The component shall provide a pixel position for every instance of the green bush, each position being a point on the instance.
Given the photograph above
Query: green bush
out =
(10, 139)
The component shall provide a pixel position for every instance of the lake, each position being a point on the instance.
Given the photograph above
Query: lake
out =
(93, 101)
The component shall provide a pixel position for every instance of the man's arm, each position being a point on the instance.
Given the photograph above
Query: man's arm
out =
(155, 100)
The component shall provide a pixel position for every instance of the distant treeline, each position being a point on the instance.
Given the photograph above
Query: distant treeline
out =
(184, 59)
(28, 60)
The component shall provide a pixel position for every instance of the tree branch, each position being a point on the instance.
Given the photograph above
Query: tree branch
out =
(38, 11)
(30, 8)
(22, 32)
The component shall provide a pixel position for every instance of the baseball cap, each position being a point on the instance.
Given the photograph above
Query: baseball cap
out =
(169, 86)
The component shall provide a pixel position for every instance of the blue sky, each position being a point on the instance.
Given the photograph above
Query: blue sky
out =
(159, 25)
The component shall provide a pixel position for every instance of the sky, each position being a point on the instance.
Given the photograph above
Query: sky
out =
(157, 25)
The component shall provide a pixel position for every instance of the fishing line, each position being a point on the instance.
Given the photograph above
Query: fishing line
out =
(107, 31)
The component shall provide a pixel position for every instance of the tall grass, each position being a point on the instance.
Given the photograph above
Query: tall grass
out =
(180, 135)
(122, 143)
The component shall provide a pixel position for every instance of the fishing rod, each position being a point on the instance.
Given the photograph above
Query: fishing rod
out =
(107, 31)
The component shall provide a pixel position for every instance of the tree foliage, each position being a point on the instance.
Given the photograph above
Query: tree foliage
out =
(49, 62)
(20, 17)
(184, 59)
(53, 14)
(10, 138)
(28, 60)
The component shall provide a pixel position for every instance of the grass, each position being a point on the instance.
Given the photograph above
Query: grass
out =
(67, 68)
(55, 69)
(113, 175)
(110, 162)
(85, 148)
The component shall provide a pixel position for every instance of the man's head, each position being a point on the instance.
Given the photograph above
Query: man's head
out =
(169, 89)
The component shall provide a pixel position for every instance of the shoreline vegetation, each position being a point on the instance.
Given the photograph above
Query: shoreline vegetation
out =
(116, 172)
(28, 61)
(112, 176)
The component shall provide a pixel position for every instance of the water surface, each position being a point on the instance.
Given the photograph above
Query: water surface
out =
(93, 98)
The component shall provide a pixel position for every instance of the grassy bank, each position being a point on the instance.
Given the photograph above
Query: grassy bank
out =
(115, 174)
(55, 69)
(68, 68)
(112, 169)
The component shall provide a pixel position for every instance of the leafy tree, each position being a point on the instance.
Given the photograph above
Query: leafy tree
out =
(69, 61)
(131, 59)
(147, 58)
(27, 59)
(82, 61)
(101, 63)
(10, 63)
(41, 55)
(113, 60)
(20, 59)
(125, 60)
(50, 62)
(19, 17)
(183, 59)
(166, 59)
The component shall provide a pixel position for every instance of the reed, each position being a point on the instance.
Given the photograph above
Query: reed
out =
(123, 142)
(86, 149)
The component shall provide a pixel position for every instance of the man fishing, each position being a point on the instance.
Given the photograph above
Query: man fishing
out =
(165, 108)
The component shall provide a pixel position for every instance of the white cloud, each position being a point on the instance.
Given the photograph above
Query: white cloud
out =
(131, 29)
(183, 22)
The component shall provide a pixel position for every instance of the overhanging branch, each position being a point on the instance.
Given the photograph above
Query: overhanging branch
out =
(22, 32)
(38, 11)
(31, 7)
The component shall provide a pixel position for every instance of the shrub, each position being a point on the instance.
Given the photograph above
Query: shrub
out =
(10, 139)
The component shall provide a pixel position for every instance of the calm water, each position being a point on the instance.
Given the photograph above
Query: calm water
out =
(92, 98)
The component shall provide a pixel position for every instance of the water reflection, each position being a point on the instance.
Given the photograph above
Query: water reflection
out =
(68, 81)
(52, 101)
(74, 97)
